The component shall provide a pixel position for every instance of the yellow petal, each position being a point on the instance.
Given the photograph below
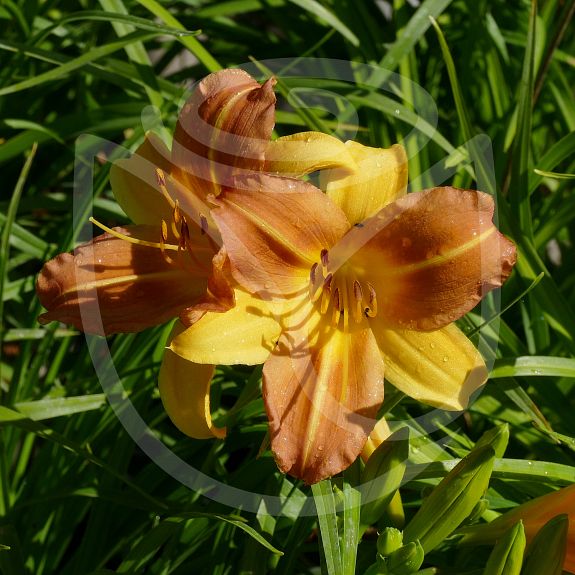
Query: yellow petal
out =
(379, 434)
(307, 152)
(245, 334)
(379, 179)
(185, 393)
(322, 398)
(135, 186)
(441, 368)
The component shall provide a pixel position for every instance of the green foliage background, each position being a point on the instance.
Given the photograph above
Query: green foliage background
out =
(77, 496)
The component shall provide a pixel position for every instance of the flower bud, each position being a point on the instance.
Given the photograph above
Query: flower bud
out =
(497, 437)
(507, 556)
(452, 500)
(546, 554)
(382, 475)
(389, 540)
(406, 560)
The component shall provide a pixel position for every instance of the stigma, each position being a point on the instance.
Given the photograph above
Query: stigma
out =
(339, 293)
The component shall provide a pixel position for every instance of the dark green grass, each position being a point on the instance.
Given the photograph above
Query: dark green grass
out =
(77, 495)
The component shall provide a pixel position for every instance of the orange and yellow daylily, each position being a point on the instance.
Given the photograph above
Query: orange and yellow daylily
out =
(169, 263)
(360, 282)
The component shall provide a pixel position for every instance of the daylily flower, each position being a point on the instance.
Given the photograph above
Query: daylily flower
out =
(357, 279)
(132, 278)
(534, 514)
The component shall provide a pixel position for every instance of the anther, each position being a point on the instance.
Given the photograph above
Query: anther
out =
(327, 281)
(161, 178)
(164, 231)
(372, 312)
(185, 235)
(324, 258)
(312, 274)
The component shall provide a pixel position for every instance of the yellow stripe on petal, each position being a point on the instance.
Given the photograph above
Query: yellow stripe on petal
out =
(245, 334)
(135, 186)
(322, 392)
(185, 393)
(441, 368)
(380, 178)
(307, 152)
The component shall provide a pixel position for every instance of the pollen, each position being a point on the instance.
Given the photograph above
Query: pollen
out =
(340, 292)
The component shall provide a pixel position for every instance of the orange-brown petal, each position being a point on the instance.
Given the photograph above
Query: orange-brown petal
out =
(224, 127)
(274, 229)
(430, 257)
(322, 399)
(110, 285)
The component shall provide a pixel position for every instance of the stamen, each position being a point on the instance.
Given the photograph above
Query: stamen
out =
(336, 309)
(312, 276)
(372, 311)
(326, 293)
(345, 310)
(185, 236)
(176, 218)
(161, 177)
(358, 295)
(164, 231)
(131, 239)
(324, 260)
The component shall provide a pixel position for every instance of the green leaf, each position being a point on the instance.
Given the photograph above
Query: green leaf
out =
(533, 366)
(326, 513)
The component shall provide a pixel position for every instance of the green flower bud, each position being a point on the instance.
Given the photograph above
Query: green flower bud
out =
(497, 437)
(546, 554)
(452, 500)
(382, 475)
(389, 540)
(507, 556)
(406, 560)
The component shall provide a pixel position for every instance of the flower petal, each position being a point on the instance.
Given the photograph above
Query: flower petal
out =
(380, 433)
(245, 334)
(322, 400)
(307, 152)
(135, 186)
(227, 123)
(379, 179)
(185, 393)
(274, 230)
(441, 368)
(111, 285)
(430, 256)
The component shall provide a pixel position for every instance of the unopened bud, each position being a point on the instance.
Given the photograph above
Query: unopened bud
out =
(406, 560)
(389, 540)
(507, 556)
